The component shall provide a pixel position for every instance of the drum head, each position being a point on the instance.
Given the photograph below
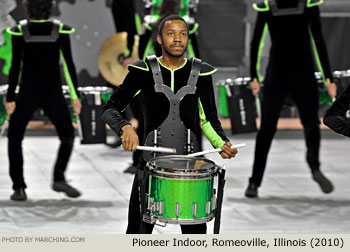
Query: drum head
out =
(173, 165)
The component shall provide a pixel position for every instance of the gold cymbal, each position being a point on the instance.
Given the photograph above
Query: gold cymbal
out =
(108, 63)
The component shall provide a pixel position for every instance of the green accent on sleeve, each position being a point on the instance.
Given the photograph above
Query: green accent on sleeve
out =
(195, 28)
(137, 93)
(6, 52)
(190, 51)
(208, 73)
(138, 23)
(309, 4)
(317, 58)
(14, 33)
(267, 6)
(147, 49)
(65, 31)
(138, 67)
(208, 130)
(72, 92)
(261, 46)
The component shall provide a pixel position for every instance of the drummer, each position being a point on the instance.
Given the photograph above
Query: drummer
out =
(146, 79)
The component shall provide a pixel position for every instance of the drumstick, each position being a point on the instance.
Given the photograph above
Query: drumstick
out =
(156, 149)
(4, 126)
(80, 131)
(214, 150)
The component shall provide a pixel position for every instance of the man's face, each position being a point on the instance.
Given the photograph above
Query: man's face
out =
(174, 38)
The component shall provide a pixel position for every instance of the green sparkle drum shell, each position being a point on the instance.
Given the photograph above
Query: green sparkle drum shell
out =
(181, 189)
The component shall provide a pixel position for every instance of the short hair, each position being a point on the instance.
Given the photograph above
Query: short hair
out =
(169, 18)
(38, 8)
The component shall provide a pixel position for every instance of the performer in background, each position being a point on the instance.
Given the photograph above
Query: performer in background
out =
(37, 45)
(295, 29)
(335, 117)
(124, 19)
(175, 72)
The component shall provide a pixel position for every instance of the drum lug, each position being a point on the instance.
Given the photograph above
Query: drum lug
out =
(208, 207)
(149, 202)
(177, 210)
(154, 206)
(159, 207)
(194, 210)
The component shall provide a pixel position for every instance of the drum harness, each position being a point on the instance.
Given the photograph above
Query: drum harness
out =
(173, 133)
(28, 38)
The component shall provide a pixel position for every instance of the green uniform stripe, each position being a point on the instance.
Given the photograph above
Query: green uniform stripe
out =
(137, 93)
(208, 73)
(194, 29)
(309, 4)
(14, 33)
(141, 68)
(39, 20)
(208, 130)
(267, 6)
(172, 71)
(148, 27)
(148, 47)
(317, 58)
(190, 51)
(65, 31)
(138, 23)
(261, 46)
(69, 81)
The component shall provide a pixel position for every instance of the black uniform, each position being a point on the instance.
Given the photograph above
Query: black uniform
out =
(335, 116)
(290, 71)
(155, 110)
(35, 65)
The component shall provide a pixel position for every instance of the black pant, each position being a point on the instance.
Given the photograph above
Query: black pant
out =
(135, 216)
(55, 107)
(304, 92)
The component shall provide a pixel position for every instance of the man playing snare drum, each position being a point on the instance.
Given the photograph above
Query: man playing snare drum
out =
(173, 92)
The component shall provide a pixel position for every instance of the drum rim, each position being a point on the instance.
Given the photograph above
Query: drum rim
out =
(182, 173)
(184, 221)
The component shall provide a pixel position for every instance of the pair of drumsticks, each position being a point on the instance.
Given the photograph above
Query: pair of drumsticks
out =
(173, 151)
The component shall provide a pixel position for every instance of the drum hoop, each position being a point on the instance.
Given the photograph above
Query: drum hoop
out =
(181, 176)
(184, 221)
(183, 172)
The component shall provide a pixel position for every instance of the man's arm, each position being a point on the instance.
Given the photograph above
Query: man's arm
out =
(257, 44)
(121, 97)
(320, 50)
(17, 51)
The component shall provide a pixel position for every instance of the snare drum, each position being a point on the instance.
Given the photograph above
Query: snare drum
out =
(181, 190)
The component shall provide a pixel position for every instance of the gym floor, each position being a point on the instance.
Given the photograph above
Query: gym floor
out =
(290, 201)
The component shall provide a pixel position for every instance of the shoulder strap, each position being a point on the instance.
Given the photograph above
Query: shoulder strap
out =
(156, 72)
(196, 68)
(28, 38)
